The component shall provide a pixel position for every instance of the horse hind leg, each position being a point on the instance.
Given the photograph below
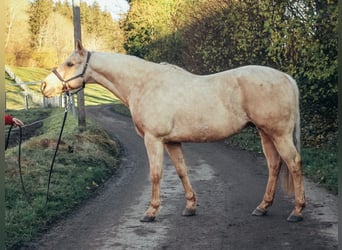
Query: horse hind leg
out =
(175, 152)
(273, 163)
(292, 158)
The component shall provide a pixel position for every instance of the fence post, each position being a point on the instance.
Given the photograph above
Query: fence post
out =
(78, 36)
(26, 102)
(73, 106)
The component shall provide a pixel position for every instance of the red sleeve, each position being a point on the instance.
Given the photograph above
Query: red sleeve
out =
(8, 120)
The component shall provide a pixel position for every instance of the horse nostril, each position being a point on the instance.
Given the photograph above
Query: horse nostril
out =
(42, 86)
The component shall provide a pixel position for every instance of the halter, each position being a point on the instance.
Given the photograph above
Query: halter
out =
(64, 82)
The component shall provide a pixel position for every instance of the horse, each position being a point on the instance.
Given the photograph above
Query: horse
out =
(170, 105)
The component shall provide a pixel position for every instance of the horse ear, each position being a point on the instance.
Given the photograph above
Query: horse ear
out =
(79, 47)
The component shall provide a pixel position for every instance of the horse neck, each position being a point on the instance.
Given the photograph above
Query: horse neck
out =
(120, 74)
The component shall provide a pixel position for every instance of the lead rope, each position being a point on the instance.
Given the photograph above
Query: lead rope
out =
(8, 136)
(19, 159)
(20, 169)
(53, 159)
(57, 146)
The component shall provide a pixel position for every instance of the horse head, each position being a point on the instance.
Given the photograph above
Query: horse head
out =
(70, 75)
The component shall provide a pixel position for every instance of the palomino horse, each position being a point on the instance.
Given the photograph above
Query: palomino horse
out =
(170, 105)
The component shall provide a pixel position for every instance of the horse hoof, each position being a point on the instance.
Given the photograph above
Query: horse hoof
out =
(147, 218)
(259, 212)
(189, 212)
(294, 218)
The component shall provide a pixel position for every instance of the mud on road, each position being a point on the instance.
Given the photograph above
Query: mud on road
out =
(229, 183)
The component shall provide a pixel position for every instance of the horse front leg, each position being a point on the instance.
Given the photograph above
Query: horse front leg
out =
(175, 152)
(155, 153)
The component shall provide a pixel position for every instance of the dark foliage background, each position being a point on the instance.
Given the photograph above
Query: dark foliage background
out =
(297, 37)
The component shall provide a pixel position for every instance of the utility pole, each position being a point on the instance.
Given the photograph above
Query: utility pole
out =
(78, 36)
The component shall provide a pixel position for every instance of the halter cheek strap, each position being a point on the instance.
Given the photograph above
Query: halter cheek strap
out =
(65, 82)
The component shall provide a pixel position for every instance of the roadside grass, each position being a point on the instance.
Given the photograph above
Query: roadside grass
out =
(84, 162)
(319, 164)
(121, 109)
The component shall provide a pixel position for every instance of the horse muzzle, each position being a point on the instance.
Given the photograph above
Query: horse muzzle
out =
(46, 91)
(42, 87)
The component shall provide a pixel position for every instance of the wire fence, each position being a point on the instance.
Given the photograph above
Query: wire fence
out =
(38, 100)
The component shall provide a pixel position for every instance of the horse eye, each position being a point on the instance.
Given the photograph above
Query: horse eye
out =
(70, 64)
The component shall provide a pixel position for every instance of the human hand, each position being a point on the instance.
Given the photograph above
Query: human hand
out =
(17, 122)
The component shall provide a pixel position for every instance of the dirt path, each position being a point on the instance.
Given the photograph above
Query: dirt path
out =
(229, 183)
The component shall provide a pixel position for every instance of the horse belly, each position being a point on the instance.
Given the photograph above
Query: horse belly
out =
(204, 128)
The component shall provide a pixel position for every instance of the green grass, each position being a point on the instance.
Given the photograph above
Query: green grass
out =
(95, 94)
(319, 164)
(121, 109)
(30, 115)
(85, 160)
(29, 74)
(247, 139)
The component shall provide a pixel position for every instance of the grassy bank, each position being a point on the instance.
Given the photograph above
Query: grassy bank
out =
(319, 164)
(85, 160)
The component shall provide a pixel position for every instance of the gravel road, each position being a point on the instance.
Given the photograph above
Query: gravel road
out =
(229, 183)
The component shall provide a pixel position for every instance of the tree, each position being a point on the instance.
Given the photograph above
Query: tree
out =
(64, 9)
(305, 45)
(58, 40)
(39, 12)
(149, 21)
(39, 32)
(16, 36)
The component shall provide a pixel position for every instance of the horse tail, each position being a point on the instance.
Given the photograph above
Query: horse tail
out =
(286, 176)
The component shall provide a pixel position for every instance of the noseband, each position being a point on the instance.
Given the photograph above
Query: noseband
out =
(65, 82)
